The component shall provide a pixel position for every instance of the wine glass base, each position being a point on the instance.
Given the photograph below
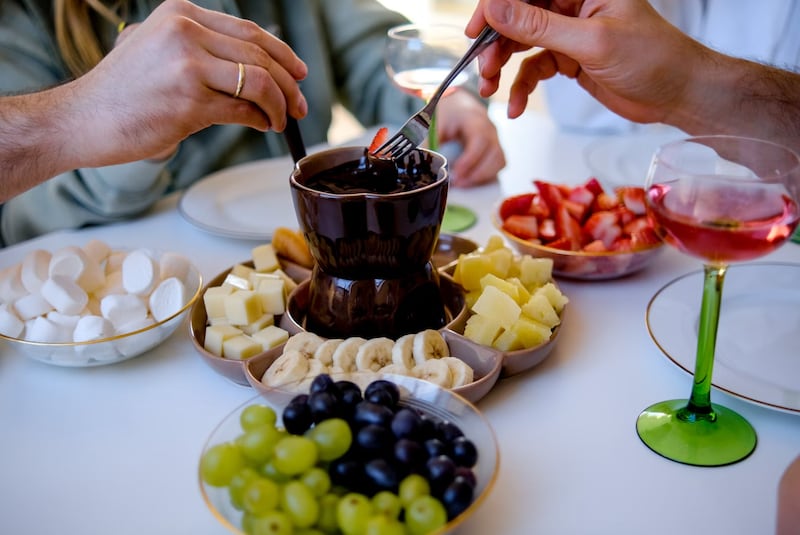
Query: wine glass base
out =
(726, 439)
(458, 218)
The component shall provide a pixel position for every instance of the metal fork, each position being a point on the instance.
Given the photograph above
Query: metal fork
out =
(416, 128)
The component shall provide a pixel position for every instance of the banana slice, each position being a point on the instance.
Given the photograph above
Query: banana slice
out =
(316, 367)
(397, 369)
(324, 353)
(290, 367)
(403, 351)
(305, 342)
(435, 371)
(374, 354)
(429, 344)
(344, 357)
(460, 372)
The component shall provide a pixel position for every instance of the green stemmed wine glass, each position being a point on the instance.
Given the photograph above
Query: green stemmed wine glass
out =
(722, 199)
(417, 58)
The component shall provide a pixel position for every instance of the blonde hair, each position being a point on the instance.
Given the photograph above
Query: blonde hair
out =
(78, 39)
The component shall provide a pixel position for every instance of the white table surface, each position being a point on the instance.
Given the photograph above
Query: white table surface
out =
(114, 449)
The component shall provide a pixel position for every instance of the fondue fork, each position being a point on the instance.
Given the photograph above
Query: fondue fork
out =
(416, 128)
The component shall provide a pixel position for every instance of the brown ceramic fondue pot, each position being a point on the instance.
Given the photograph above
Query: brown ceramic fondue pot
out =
(372, 229)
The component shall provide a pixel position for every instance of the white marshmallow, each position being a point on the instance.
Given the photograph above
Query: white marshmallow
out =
(34, 269)
(115, 260)
(113, 285)
(40, 329)
(92, 328)
(167, 298)
(139, 272)
(133, 345)
(10, 324)
(69, 262)
(120, 309)
(68, 321)
(64, 294)
(32, 305)
(11, 287)
(174, 265)
(97, 250)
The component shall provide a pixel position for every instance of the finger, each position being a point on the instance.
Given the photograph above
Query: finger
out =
(532, 69)
(535, 26)
(477, 21)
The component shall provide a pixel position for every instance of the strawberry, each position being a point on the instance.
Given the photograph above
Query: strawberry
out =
(633, 198)
(594, 186)
(577, 210)
(517, 204)
(547, 229)
(561, 243)
(624, 215)
(567, 227)
(596, 246)
(539, 208)
(604, 201)
(581, 195)
(551, 195)
(380, 138)
(636, 225)
(522, 226)
(603, 225)
(645, 237)
(622, 245)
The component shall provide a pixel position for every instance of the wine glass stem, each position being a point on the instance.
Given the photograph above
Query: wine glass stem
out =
(699, 405)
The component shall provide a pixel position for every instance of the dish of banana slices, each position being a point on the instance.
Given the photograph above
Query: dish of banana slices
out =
(444, 357)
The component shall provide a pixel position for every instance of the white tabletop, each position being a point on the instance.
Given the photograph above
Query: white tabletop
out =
(114, 449)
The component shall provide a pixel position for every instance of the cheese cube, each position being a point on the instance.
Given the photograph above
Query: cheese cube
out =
(214, 300)
(272, 295)
(236, 282)
(240, 270)
(241, 347)
(243, 307)
(264, 321)
(216, 336)
(264, 258)
(271, 336)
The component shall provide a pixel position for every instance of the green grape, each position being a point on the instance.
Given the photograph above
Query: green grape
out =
(238, 482)
(387, 503)
(333, 438)
(327, 513)
(383, 525)
(272, 523)
(220, 463)
(318, 480)
(268, 469)
(294, 455)
(308, 531)
(258, 443)
(254, 416)
(352, 513)
(424, 515)
(300, 504)
(411, 487)
(260, 496)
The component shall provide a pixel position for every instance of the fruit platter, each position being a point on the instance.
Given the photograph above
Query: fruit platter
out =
(588, 232)
(396, 455)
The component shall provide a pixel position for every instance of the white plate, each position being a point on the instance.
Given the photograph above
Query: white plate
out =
(623, 160)
(757, 358)
(247, 201)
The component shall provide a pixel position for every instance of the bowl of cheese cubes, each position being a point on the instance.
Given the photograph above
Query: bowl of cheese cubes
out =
(91, 305)
(239, 314)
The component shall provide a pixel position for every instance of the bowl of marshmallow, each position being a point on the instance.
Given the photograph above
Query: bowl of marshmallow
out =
(93, 305)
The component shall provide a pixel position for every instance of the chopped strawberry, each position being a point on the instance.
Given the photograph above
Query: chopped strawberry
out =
(577, 210)
(638, 224)
(596, 246)
(581, 195)
(567, 227)
(624, 215)
(622, 245)
(561, 243)
(603, 225)
(547, 229)
(551, 194)
(594, 186)
(380, 138)
(517, 204)
(522, 226)
(604, 201)
(539, 208)
(633, 198)
(646, 237)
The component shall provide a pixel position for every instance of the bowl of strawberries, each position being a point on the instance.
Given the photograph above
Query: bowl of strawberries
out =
(589, 233)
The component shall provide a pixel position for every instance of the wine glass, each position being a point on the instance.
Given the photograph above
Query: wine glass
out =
(418, 57)
(722, 199)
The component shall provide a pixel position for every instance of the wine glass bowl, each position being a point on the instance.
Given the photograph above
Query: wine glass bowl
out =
(721, 199)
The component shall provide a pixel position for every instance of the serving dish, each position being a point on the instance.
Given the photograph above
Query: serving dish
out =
(146, 331)
(440, 404)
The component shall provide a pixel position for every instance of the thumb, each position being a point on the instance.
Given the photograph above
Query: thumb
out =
(532, 25)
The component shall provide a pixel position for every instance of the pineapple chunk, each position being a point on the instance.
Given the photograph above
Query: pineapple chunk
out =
(241, 347)
(494, 243)
(522, 292)
(216, 336)
(554, 295)
(531, 333)
(535, 272)
(539, 308)
(508, 340)
(271, 336)
(472, 268)
(501, 261)
(504, 286)
(497, 305)
(471, 297)
(264, 258)
(482, 330)
(243, 307)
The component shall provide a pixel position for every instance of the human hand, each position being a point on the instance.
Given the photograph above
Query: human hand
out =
(621, 51)
(461, 117)
(176, 73)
